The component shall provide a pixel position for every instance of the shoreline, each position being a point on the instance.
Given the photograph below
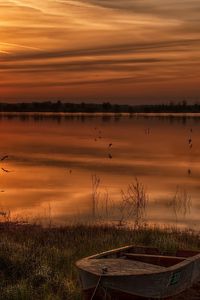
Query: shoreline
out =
(100, 114)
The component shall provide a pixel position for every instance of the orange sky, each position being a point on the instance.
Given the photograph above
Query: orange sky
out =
(135, 51)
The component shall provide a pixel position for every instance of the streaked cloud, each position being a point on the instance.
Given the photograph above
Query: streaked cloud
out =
(99, 48)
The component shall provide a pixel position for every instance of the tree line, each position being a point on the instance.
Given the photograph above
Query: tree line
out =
(59, 106)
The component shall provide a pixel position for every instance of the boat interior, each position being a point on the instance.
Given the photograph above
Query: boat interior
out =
(149, 255)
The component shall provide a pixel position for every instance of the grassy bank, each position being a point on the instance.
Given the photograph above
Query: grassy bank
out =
(38, 263)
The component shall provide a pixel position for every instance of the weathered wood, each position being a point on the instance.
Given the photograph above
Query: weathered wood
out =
(160, 260)
(119, 266)
(128, 272)
(186, 253)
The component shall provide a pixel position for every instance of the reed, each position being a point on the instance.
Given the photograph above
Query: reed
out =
(133, 204)
(180, 203)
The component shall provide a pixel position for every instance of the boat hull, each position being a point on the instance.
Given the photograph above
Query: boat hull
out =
(110, 294)
(156, 285)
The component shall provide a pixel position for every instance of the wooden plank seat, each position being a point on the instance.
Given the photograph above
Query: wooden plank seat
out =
(160, 260)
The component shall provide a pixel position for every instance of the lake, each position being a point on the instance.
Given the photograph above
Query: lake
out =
(58, 164)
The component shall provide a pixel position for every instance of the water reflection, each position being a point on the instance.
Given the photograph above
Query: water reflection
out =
(53, 158)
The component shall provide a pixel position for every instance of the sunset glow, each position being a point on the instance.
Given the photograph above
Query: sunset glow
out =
(123, 51)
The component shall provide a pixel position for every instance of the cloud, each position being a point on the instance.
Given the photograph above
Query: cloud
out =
(76, 42)
(110, 50)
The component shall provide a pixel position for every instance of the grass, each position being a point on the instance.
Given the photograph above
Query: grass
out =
(38, 263)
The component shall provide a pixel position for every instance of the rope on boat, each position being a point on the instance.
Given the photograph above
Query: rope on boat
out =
(96, 288)
(104, 271)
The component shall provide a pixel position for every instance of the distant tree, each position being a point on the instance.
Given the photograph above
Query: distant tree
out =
(106, 106)
(184, 103)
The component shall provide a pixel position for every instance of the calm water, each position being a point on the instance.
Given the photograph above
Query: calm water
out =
(52, 159)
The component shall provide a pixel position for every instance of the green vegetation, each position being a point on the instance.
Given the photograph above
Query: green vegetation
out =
(39, 263)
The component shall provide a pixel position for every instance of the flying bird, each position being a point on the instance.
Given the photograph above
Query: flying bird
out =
(5, 170)
(4, 157)
(110, 145)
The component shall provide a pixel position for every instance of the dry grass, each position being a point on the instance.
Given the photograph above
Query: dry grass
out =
(38, 263)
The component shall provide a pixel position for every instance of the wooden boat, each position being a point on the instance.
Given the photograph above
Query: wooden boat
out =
(139, 272)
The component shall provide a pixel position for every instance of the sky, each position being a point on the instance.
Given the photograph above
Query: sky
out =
(122, 51)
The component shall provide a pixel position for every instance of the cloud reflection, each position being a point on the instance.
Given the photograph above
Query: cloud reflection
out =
(41, 155)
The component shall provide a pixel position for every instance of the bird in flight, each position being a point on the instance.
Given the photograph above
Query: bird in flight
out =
(5, 170)
(4, 157)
